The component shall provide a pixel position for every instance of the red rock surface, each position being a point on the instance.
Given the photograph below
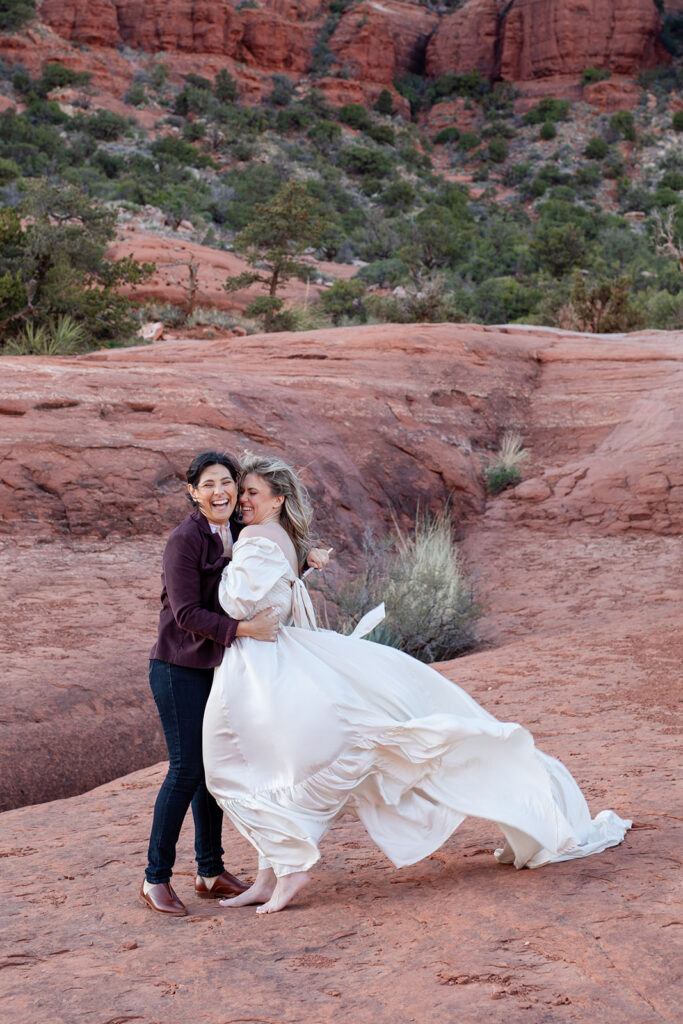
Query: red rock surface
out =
(583, 642)
(95, 449)
(527, 39)
(173, 255)
(380, 42)
(374, 43)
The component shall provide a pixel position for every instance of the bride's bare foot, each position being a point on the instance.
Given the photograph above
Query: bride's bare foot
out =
(286, 889)
(263, 888)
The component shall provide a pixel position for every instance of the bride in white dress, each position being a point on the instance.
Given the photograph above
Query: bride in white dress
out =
(299, 731)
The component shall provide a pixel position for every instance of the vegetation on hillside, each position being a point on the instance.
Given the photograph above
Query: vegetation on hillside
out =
(559, 215)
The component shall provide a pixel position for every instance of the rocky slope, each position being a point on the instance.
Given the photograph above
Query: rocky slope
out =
(582, 642)
(379, 418)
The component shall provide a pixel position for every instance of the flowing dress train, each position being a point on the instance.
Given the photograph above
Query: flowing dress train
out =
(299, 731)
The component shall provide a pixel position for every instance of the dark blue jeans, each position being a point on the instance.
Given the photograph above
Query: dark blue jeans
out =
(181, 695)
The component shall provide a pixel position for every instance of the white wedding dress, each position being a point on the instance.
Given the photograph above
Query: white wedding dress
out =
(300, 731)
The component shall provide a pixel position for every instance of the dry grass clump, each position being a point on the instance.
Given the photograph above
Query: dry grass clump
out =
(430, 606)
(505, 468)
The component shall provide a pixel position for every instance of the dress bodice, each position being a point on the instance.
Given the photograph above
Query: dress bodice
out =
(260, 576)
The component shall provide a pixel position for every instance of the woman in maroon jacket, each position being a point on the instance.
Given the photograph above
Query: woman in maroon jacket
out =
(193, 633)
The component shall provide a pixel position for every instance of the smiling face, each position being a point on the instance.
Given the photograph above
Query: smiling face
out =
(258, 504)
(215, 493)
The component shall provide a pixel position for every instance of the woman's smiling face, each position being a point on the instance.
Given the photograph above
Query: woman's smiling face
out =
(258, 504)
(215, 493)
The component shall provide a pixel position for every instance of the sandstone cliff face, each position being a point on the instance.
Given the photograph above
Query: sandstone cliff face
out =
(529, 39)
(381, 42)
(375, 43)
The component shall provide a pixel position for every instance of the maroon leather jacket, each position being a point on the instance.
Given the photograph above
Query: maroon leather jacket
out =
(193, 629)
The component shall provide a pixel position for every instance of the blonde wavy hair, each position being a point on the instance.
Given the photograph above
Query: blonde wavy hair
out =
(296, 513)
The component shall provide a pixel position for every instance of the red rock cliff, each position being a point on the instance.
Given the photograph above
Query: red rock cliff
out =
(529, 39)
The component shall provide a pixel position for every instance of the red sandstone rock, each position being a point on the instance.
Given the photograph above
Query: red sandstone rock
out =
(382, 42)
(380, 417)
(567, 36)
(612, 95)
(525, 40)
(584, 642)
(466, 40)
(91, 24)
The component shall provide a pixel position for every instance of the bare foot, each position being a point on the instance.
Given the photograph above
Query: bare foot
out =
(263, 888)
(286, 889)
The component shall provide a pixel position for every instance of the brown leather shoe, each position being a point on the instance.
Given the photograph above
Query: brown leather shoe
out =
(163, 899)
(225, 885)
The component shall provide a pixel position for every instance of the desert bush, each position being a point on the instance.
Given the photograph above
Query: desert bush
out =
(225, 87)
(591, 75)
(548, 109)
(504, 469)
(602, 305)
(136, 95)
(56, 338)
(497, 150)
(547, 131)
(359, 160)
(14, 14)
(559, 247)
(430, 608)
(672, 179)
(104, 125)
(622, 123)
(596, 148)
(382, 134)
(677, 121)
(384, 104)
(343, 301)
(449, 134)
(355, 115)
(468, 141)
(57, 76)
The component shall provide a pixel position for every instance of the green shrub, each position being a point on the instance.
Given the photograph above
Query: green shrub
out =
(105, 125)
(193, 131)
(398, 197)
(677, 121)
(136, 95)
(497, 150)
(366, 162)
(470, 84)
(325, 135)
(225, 87)
(430, 607)
(449, 134)
(343, 300)
(516, 174)
(596, 149)
(193, 100)
(14, 14)
(384, 104)
(547, 130)
(468, 141)
(504, 469)
(548, 109)
(355, 115)
(672, 179)
(499, 479)
(179, 151)
(591, 75)
(383, 134)
(622, 123)
(57, 76)
(281, 93)
(9, 170)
